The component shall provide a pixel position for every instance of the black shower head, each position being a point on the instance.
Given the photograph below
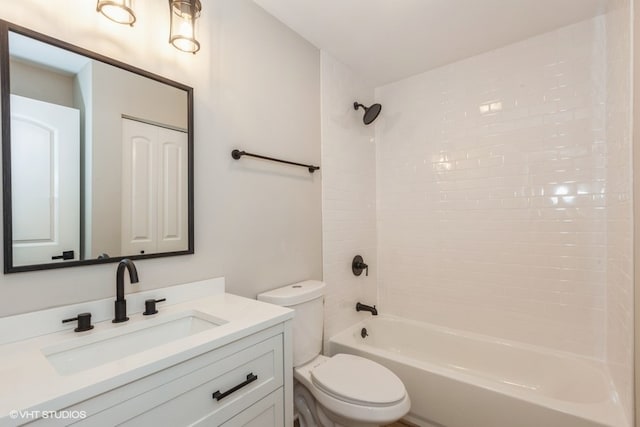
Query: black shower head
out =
(370, 113)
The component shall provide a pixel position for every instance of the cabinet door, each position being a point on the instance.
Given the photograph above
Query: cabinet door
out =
(268, 412)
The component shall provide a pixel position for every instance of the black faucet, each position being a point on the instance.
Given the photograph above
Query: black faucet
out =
(364, 307)
(121, 303)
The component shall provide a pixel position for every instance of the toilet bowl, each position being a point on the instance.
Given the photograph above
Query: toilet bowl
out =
(348, 391)
(339, 391)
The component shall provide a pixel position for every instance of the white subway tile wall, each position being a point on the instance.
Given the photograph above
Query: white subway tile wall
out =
(619, 332)
(493, 192)
(503, 188)
(348, 195)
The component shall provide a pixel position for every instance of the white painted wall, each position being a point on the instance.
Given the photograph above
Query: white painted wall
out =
(257, 87)
(348, 195)
(41, 83)
(635, 42)
(83, 97)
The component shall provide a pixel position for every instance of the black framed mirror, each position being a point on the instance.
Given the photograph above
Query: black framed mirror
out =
(97, 157)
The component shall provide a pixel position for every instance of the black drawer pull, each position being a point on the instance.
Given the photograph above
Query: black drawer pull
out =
(250, 378)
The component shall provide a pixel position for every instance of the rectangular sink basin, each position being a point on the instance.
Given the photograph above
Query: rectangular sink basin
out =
(108, 346)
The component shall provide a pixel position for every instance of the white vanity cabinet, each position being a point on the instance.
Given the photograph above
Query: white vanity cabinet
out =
(265, 413)
(208, 359)
(249, 377)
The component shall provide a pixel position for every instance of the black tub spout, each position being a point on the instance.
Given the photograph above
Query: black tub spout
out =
(364, 307)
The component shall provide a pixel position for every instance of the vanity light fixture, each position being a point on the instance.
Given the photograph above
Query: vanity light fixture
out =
(119, 11)
(182, 26)
(184, 14)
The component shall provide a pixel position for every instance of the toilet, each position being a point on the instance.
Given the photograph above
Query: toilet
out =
(339, 391)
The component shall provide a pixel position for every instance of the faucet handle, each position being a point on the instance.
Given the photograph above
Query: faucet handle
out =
(84, 322)
(150, 306)
(358, 264)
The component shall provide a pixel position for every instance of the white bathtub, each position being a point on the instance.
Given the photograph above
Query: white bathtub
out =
(460, 379)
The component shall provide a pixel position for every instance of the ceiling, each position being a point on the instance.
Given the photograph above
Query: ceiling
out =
(387, 40)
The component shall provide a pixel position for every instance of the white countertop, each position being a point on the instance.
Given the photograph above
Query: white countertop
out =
(29, 382)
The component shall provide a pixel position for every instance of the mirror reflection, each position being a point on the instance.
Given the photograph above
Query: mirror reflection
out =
(99, 159)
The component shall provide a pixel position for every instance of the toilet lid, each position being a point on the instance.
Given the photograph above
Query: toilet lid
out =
(358, 380)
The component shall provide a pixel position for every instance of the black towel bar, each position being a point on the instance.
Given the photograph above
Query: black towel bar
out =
(237, 154)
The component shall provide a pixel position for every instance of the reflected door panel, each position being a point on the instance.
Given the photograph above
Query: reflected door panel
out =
(155, 182)
(45, 152)
(143, 191)
(138, 188)
(172, 193)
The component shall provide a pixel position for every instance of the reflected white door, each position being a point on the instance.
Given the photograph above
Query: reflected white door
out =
(154, 193)
(173, 183)
(45, 181)
(138, 188)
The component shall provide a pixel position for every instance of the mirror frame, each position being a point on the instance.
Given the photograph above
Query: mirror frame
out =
(5, 28)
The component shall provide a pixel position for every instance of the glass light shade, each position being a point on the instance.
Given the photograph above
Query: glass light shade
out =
(184, 14)
(119, 11)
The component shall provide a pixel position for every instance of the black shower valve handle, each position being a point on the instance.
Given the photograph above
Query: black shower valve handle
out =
(358, 265)
(366, 269)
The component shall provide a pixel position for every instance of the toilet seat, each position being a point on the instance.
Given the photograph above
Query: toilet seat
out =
(358, 380)
(341, 398)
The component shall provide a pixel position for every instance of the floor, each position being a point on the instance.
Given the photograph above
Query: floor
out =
(400, 423)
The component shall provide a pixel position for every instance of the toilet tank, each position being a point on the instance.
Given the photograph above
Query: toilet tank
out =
(306, 298)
